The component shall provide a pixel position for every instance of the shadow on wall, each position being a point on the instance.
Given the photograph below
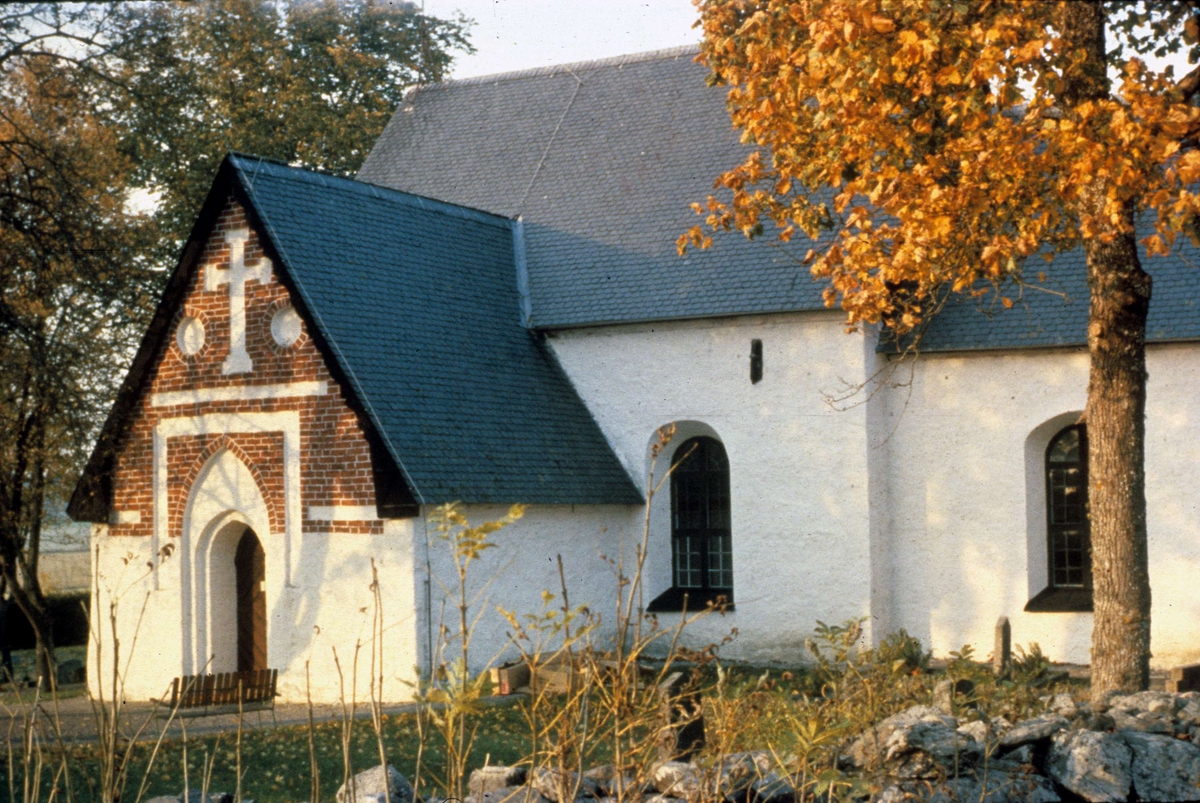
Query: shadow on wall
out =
(968, 517)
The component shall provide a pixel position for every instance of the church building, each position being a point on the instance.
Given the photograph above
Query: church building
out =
(494, 313)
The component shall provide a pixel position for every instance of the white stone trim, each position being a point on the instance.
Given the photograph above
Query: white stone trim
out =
(237, 276)
(343, 513)
(287, 422)
(238, 393)
(125, 517)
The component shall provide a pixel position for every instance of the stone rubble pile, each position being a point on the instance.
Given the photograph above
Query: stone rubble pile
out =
(743, 777)
(1143, 746)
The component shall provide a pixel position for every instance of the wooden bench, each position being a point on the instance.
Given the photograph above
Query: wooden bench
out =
(223, 693)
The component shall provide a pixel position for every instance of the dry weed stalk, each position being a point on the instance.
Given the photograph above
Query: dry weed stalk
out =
(313, 768)
(376, 686)
(347, 723)
(452, 693)
(612, 696)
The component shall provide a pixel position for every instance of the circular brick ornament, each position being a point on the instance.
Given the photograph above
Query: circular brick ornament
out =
(189, 336)
(285, 326)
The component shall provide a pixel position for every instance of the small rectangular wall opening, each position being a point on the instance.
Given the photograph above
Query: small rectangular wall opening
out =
(756, 361)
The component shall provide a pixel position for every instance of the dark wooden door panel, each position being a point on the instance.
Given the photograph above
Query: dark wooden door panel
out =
(250, 564)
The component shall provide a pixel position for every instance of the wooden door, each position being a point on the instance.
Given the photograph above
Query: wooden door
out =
(250, 564)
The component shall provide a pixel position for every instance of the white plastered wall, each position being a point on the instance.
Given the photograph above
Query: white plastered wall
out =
(966, 500)
(514, 573)
(330, 606)
(318, 588)
(798, 466)
(150, 647)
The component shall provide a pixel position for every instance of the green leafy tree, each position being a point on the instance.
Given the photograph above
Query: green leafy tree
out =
(73, 283)
(310, 83)
(98, 101)
(957, 140)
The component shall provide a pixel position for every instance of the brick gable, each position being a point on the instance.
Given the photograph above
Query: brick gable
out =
(334, 454)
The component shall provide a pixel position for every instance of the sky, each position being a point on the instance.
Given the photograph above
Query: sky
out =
(523, 34)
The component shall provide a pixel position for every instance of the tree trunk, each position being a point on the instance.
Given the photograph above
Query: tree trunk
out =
(1116, 427)
(44, 645)
(1116, 400)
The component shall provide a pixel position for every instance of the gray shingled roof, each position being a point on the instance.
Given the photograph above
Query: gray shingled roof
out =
(417, 300)
(602, 160)
(1059, 317)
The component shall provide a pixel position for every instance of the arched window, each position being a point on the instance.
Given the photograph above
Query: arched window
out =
(1067, 531)
(701, 539)
(1068, 535)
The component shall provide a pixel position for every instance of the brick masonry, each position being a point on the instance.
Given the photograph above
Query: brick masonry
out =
(335, 461)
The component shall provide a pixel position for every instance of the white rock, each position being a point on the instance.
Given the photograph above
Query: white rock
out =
(773, 789)
(1190, 713)
(546, 782)
(676, 779)
(1164, 768)
(486, 779)
(609, 782)
(977, 730)
(1142, 701)
(997, 787)
(511, 794)
(1095, 766)
(735, 772)
(193, 796)
(1033, 730)
(1144, 722)
(1019, 755)
(940, 742)
(369, 785)
(1063, 704)
(873, 746)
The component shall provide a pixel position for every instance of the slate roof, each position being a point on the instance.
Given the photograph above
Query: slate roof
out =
(1054, 313)
(602, 159)
(418, 300)
(414, 302)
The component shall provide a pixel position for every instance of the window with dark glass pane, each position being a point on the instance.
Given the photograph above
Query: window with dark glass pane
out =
(1067, 509)
(702, 546)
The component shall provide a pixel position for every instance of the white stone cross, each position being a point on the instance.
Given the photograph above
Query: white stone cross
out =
(236, 276)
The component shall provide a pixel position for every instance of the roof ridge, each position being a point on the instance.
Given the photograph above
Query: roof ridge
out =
(553, 69)
(333, 181)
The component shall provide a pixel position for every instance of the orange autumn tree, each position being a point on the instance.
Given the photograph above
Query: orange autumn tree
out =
(936, 147)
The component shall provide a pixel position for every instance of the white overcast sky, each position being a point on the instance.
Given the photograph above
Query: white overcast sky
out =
(522, 34)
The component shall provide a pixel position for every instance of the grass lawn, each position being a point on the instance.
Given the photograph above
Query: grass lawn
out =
(746, 709)
(275, 761)
(25, 669)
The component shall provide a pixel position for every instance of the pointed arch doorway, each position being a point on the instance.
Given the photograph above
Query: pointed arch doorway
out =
(250, 569)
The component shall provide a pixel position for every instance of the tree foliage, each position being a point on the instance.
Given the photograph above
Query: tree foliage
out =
(308, 83)
(935, 139)
(936, 147)
(72, 278)
(98, 101)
